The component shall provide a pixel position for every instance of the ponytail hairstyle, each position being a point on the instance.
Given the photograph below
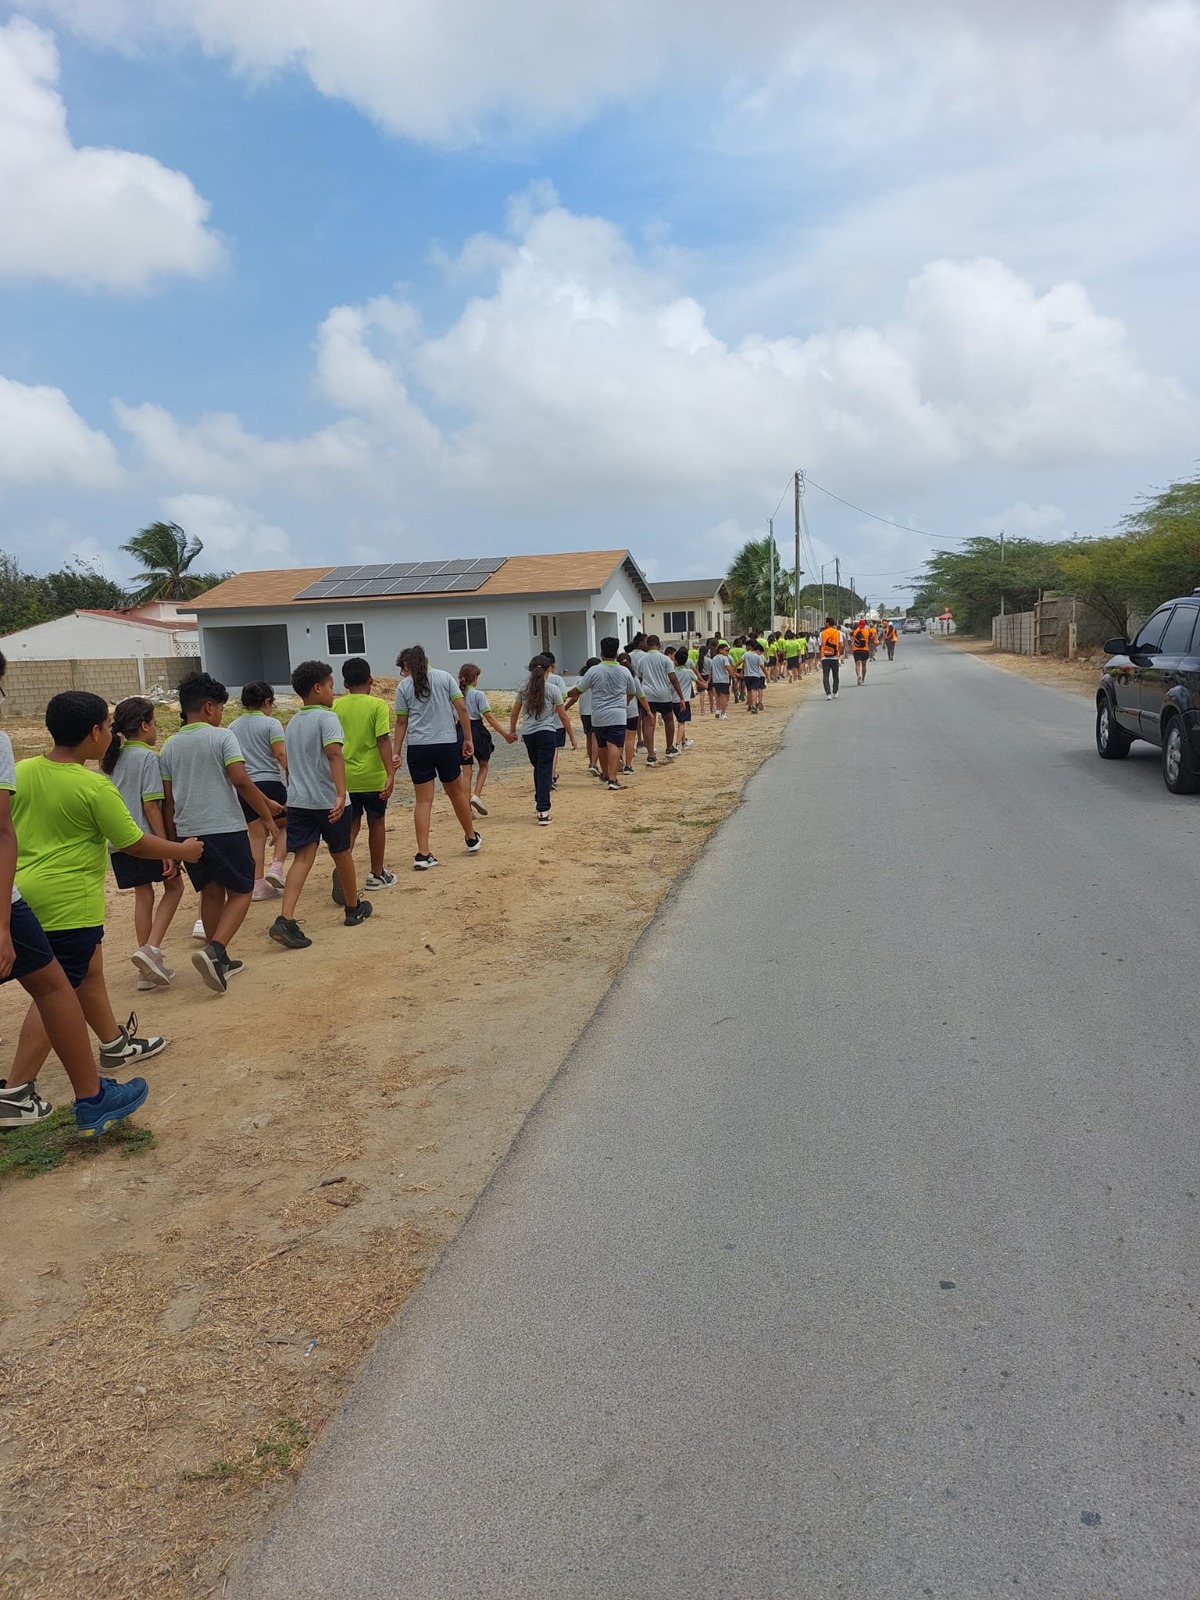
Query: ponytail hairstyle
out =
(127, 719)
(702, 661)
(533, 695)
(416, 663)
(592, 661)
(468, 675)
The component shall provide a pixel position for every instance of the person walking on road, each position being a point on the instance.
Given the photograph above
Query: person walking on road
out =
(860, 648)
(889, 639)
(830, 647)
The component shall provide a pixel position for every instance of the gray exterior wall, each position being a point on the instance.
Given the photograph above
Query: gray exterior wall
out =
(237, 646)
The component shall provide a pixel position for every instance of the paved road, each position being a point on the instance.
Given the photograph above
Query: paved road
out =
(852, 1254)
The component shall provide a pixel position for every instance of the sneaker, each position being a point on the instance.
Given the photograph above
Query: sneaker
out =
(640, 745)
(232, 968)
(151, 965)
(286, 931)
(651, 761)
(614, 785)
(127, 1047)
(554, 783)
(478, 807)
(672, 752)
(688, 744)
(21, 1107)
(263, 890)
(209, 963)
(198, 930)
(475, 843)
(544, 818)
(626, 769)
(382, 880)
(115, 1100)
(146, 983)
(276, 874)
(594, 769)
(423, 863)
(357, 914)
(339, 898)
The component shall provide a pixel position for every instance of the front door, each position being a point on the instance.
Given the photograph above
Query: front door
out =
(1164, 669)
(1148, 680)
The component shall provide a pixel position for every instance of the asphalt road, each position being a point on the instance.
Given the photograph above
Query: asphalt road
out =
(854, 1251)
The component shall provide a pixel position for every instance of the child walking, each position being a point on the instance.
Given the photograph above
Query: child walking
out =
(614, 692)
(429, 704)
(204, 777)
(259, 734)
(754, 676)
(719, 680)
(317, 803)
(686, 673)
(479, 712)
(585, 717)
(130, 761)
(540, 706)
(370, 769)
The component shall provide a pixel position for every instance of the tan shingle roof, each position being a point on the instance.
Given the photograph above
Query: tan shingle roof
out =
(582, 571)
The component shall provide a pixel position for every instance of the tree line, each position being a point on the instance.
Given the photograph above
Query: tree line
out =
(1156, 555)
(749, 585)
(165, 553)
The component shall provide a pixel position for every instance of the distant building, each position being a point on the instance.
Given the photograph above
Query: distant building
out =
(153, 630)
(687, 609)
(496, 612)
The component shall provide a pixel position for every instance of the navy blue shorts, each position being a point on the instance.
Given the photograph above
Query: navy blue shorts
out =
(614, 735)
(372, 804)
(587, 722)
(73, 949)
(32, 947)
(131, 871)
(665, 708)
(485, 745)
(686, 714)
(560, 737)
(756, 683)
(633, 724)
(305, 827)
(273, 790)
(429, 761)
(227, 861)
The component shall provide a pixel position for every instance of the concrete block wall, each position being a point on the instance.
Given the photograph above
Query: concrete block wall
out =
(30, 685)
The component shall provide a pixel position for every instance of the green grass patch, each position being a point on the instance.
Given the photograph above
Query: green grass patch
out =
(279, 1452)
(45, 1145)
(698, 822)
(643, 828)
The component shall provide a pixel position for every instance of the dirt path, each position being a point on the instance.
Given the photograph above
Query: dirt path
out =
(179, 1316)
(1079, 676)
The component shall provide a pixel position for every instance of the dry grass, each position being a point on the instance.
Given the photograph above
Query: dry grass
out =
(1079, 676)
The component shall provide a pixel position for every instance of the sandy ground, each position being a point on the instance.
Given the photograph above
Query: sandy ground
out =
(177, 1322)
(1080, 676)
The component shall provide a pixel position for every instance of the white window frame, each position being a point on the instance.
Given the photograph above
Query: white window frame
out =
(467, 649)
(671, 617)
(358, 650)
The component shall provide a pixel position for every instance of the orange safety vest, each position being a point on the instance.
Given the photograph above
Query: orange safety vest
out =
(831, 642)
(889, 633)
(861, 639)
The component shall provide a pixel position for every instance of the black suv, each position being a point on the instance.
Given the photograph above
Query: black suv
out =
(1151, 690)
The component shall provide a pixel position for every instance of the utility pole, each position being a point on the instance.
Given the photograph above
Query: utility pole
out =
(1001, 576)
(837, 574)
(796, 596)
(771, 559)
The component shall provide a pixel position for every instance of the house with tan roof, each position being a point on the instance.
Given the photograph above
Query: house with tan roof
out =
(687, 610)
(497, 612)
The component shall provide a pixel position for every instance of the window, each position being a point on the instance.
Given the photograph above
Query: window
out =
(1148, 639)
(679, 622)
(1179, 632)
(467, 633)
(345, 638)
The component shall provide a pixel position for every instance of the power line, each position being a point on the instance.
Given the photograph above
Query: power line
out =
(862, 511)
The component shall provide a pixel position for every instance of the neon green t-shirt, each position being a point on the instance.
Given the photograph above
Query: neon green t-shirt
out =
(65, 818)
(694, 654)
(365, 720)
(791, 648)
(737, 651)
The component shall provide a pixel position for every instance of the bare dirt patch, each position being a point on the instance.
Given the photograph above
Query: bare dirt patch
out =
(180, 1315)
(1079, 676)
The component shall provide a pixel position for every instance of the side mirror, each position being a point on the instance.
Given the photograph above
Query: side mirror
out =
(1116, 647)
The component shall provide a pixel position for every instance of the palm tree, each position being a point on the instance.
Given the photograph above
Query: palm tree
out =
(749, 584)
(166, 553)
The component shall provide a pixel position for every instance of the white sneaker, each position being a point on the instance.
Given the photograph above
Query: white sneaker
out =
(276, 874)
(198, 930)
(688, 744)
(152, 969)
(478, 807)
(384, 880)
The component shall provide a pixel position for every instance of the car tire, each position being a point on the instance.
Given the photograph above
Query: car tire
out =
(1180, 771)
(1111, 739)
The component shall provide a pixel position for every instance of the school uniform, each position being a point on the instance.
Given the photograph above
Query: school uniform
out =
(312, 793)
(31, 947)
(364, 719)
(481, 736)
(257, 734)
(754, 670)
(195, 762)
(137, 777)
(610, 685)
(538, 733)
(431, 745)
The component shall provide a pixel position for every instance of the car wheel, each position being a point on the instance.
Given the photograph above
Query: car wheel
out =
(1111, 739)
(1180, 772)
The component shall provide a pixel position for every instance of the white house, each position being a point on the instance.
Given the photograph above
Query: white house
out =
(688, 608)
(497, 613)
(104, 636)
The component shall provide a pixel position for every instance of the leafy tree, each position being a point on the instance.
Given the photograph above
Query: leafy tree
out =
(749, 584)
(26, 600)
(1158, 556)
(972, 580)
(839, 601)
(166, 553)
(80, 587)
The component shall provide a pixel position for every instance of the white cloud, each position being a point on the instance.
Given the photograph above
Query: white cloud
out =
(93, 217)
(444, 69)
(43, 440)
(217, 451)
(233, 536)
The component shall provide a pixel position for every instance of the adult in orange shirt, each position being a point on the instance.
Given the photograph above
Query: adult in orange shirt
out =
(830, 647)
(860, 649)
(889, 639)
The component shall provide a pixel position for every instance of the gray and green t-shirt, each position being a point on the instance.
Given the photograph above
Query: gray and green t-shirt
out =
(138, 777)
(309, 734)
(547, 718)
(255, 733)
(609, 685)
(194, 762)
(430, 721)
(654, 670)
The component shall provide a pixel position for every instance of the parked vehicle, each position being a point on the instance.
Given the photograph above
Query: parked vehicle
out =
(1150, 690)
(913, 625)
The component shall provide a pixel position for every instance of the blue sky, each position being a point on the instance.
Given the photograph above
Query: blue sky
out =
(324, 282)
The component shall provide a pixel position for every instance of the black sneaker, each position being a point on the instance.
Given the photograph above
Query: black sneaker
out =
(339, 897)
(614, 785)
(210, 964)
(21, 1107)
(232, 968)
(356, 914)
(651, 761)
(626, 769)
(423, 863)
(286, 931)
(475, 843)
(126, 1048)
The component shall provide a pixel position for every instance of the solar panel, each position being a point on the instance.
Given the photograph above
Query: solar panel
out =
(378, 581)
